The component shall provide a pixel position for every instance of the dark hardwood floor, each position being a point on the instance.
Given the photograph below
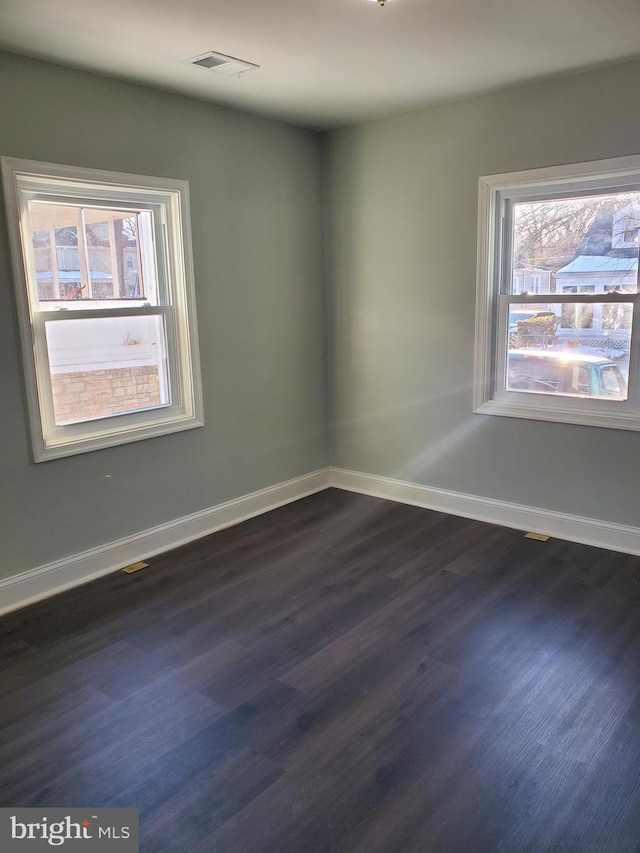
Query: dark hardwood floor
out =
(340, 674)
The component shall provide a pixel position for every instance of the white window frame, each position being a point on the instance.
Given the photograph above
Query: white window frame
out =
(169, 201)
(496, 195)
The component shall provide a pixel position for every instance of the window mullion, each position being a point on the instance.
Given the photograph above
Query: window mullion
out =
(94, 313)
(506, 245)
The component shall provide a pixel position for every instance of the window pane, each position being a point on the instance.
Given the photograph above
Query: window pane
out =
(578, 245)
(570, 348)
(89, 256)
(568, 316)
(43, 257)
(99, 261)
(106, 366)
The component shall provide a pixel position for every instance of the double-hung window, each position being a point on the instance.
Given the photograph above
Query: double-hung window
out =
(558, 303)
(105, 295)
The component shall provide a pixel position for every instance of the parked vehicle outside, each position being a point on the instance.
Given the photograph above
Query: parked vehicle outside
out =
(562, 372)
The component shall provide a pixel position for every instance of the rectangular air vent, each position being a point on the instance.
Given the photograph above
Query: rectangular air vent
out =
(223, 64)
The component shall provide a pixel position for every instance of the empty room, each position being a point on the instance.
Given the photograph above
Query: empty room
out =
(318, 457)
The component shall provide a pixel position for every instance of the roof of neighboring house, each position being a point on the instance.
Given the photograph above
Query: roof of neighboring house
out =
(597, 238)
(599, 263)
(524, 268)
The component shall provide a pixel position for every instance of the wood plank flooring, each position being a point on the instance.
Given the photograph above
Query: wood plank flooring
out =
(341, 675)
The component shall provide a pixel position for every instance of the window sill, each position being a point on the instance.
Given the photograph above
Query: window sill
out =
(558, 414)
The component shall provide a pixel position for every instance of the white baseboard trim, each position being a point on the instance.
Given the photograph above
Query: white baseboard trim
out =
(44, 581)
(50, 579)
(575, 528)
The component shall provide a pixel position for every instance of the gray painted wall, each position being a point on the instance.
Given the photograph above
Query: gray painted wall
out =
(402, 196)
(255, 205)
(399, 230)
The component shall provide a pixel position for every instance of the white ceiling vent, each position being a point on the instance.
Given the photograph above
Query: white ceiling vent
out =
(228, 65)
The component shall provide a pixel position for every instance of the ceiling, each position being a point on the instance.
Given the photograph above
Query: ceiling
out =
(327, 63)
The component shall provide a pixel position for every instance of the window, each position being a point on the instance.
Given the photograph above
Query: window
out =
(104, 283)
(569, 350)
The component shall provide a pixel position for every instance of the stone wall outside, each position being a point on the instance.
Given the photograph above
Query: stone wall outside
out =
(97, 393)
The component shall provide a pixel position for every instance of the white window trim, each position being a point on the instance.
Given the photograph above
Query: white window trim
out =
(614, 174)
(184, 412)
